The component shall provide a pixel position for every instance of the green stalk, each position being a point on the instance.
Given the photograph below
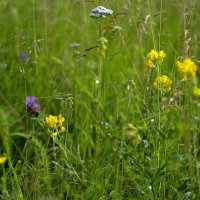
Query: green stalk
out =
(34, 37)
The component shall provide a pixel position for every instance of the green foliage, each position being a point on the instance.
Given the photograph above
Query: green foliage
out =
(123, 139)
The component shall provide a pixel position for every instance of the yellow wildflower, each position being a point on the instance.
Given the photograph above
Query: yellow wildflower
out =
(150, 64)
(52, 121)
(55, 122)
(62, 129)
(163, 83)
(161, 55)
(152, 55)
(196, 91)
(3, 159)
(187, 68)
(61, 120)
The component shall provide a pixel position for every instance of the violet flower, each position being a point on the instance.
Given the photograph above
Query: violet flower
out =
(32, 105)
(23, 55)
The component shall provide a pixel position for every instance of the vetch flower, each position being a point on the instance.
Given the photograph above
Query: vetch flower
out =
(187, 68)
(32, 105)
(163, 84)
(100, 12)
(3, 159)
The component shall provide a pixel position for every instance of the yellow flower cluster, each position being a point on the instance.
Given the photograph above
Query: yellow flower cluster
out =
(55, 122)
(3, 159)
(196, 91)
(187, 68)
(153, 56)
(163, 83)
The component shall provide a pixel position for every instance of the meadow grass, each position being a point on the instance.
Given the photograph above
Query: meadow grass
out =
(123, 138)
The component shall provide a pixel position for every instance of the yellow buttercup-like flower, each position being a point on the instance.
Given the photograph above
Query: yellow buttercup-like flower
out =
(187, 68)
(52, 121)
(61, 119)
(3, 159)
(196, 91)
(163, 83)
(161, 55)
(55, 122)
(149, 64)
(154, 56)
(62, 129)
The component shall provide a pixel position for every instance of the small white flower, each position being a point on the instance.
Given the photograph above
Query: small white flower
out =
(74, 45)
(100, 12)
(171, 100)
(97, 81)
(150, 187)
(152, 120)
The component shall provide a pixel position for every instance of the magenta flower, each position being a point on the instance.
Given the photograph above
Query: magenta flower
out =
(32, 105)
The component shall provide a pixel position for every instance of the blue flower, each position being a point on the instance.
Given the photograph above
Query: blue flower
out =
(23, 55)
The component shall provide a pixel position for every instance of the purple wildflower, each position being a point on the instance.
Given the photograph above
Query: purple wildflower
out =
(30, 100)
(31, 104)
(23, 55)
